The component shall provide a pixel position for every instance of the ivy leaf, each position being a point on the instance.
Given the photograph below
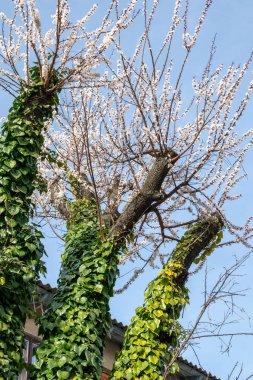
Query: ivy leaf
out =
(7, 149)
(27, 277)
(10, 222)
(13, 210)
(153, 359)
(63, 360)
(62, 375)
(24, 171)
(98, 288)
(3, 197)
(23, 141)
(17, 174)
(158, 313)
(23, 189)
(24, 152)
(32, 247)
(10, 163)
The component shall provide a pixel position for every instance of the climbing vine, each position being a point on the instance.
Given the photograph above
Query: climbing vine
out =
(21, 250)
(78, 320)
(154, 331)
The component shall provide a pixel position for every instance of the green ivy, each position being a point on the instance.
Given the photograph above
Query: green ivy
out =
(154, 332)
(78, 320)
(211, 247)
(21, 250)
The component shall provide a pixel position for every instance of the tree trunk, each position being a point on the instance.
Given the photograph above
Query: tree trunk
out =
(154, 331)
(21, 250)
(76, 324)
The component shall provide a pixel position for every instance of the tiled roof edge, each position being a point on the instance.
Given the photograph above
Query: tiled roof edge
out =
(46, 287)
(208, 375)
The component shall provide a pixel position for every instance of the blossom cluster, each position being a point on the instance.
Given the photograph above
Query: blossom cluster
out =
(68, 47)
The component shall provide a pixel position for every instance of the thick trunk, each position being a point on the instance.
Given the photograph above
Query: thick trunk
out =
(76, 324)
(21, 251)
(154, 331)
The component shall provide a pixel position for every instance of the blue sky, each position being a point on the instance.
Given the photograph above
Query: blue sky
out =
(232, 21)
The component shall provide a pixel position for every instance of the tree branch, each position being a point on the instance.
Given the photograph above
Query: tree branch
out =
(149, 192)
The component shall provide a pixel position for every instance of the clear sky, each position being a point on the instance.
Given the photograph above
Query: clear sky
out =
(232, 20)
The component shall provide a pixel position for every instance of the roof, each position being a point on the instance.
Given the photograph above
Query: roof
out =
(118, 335)
(200, 370)
(46, 287)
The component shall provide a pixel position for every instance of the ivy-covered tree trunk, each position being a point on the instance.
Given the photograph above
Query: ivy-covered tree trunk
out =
(154, 331)
(76, 324)
(21, 250)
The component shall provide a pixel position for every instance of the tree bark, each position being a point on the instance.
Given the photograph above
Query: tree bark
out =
(149, 192)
